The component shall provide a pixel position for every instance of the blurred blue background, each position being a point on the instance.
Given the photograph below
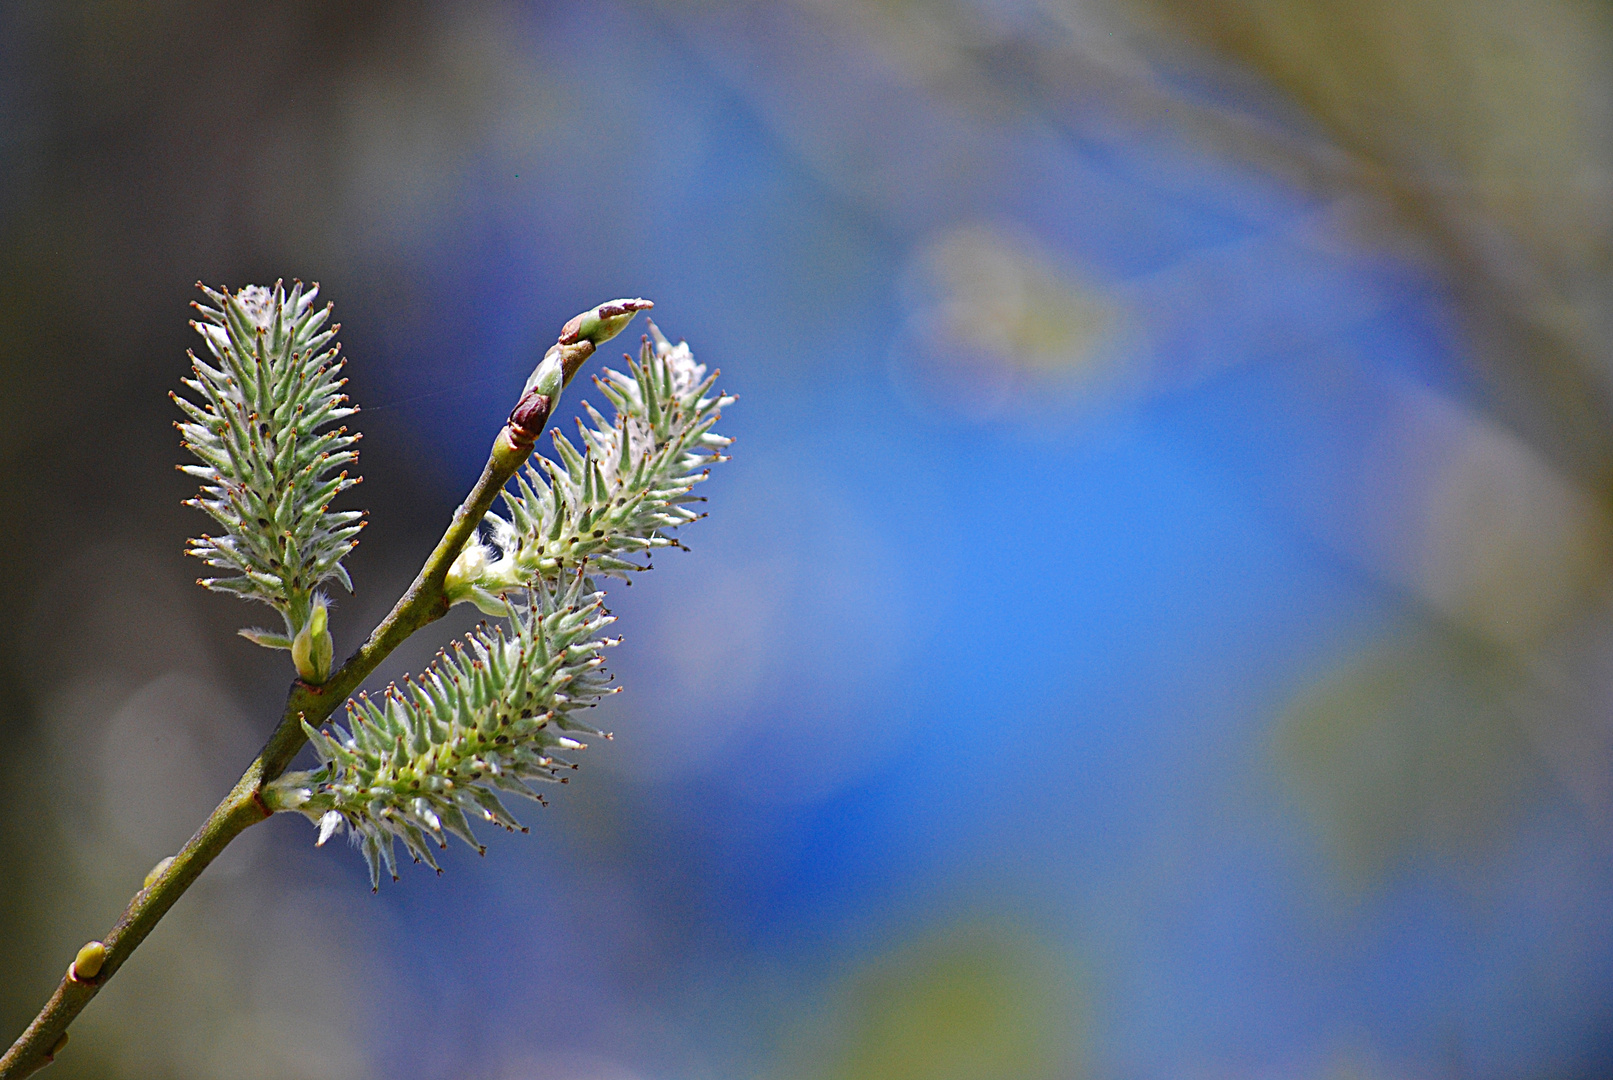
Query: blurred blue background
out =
(1155, 622)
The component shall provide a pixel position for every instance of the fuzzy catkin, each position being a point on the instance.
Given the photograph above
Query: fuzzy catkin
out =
(270, 462)
(497, 714)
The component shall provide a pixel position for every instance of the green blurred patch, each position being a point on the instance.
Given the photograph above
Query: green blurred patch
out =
(1419, 744)
(973, 1001)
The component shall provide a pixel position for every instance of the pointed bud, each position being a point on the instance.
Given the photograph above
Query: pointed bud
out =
(312, 648)
(581, 335)
(603, 322)
(87, 964)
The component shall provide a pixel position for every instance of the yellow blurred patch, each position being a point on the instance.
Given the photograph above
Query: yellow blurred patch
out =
(1000, 320)
(972, 1001)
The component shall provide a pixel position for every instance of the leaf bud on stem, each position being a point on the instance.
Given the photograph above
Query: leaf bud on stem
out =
(87, 964)
(312, 648)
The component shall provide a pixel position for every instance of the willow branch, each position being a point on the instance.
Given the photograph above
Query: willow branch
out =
(424, 602)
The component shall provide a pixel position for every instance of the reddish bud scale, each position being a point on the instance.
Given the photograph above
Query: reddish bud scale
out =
(528, 417)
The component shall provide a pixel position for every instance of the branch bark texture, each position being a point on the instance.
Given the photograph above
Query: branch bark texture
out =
(243, 807)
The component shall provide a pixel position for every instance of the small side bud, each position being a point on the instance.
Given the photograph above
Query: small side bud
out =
(56, 1047)
(156, 871)
(529, 416)
(87, 964)
(312, 648)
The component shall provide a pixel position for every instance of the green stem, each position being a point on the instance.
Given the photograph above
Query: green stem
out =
(243, 806)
